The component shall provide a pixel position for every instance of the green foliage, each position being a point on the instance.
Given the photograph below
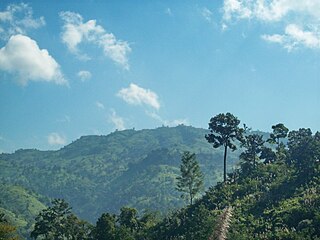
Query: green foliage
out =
(190, 181)
(20, 207)
(106, 227)
(224, 130)
(253, 144)
(128, 218)
(279, 131)
(103, 173)
(277, 200)
(304, 150)
(58, 222)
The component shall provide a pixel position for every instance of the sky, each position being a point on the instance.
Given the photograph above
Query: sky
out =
(90, 67)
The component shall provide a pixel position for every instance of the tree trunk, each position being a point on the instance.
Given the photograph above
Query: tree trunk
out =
(225, 163)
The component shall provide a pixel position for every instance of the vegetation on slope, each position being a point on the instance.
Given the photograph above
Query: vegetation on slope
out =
(20, 206)
(103, 173)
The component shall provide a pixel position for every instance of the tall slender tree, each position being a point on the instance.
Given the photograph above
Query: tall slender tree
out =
(190, 181)
(224, 130)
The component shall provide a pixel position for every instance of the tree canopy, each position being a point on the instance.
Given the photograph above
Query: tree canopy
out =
(224, 130)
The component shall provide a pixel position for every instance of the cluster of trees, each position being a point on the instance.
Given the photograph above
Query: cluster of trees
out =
(273, 194)
(58, 222)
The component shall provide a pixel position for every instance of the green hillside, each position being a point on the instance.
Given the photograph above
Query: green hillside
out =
(274, 193)
(20, 207)
(103, 173)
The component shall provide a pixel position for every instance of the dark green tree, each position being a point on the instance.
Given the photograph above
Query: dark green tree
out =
(191, 179)
(224, 130)
(58, 222)
(77, 229)
(267, 155)
(128, 218)
(279, 131)
(304, 150)
(253, 144)
(105, 227)
(51, 222)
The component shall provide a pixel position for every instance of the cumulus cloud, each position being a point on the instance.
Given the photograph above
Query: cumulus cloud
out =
(76, 31)
(117, 120)
(300, 19)
(18, 19)
(84, 75)
(23, 57)
(99, 105)
(136, 95)
(56, 139)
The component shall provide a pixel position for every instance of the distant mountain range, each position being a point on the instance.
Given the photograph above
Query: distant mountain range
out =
(97, 174)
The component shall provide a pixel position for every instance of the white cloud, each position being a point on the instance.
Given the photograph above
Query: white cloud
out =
(300, 19)
(117, 120)
(294, 37)
(99, 105)
(207, 14)
(76, 31)
(136, 95)
(23, 57)
(18, 19)
(169, 123)
(269, 10)
(56, 139)
(84, 75)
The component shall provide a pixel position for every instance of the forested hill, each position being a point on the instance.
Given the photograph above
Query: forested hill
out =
(103, 173)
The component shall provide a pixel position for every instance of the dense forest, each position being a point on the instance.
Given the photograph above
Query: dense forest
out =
(269, 190)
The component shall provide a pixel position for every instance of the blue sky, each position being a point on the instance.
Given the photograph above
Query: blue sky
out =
(73, 68)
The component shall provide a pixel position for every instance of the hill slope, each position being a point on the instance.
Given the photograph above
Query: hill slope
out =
(102, 173)
(20, 207)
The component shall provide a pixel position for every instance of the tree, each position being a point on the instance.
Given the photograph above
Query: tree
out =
(279, 131)
(57, 222)
(51, 222)
(106, 227)
(224, 130)
(128, 218)
(254, 146)
(304, 150)
(191, 180)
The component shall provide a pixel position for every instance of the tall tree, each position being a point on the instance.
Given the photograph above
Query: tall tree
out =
(224, 130)
(190, 181)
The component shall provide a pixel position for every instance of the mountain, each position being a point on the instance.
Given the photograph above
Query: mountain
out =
(98, 174)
